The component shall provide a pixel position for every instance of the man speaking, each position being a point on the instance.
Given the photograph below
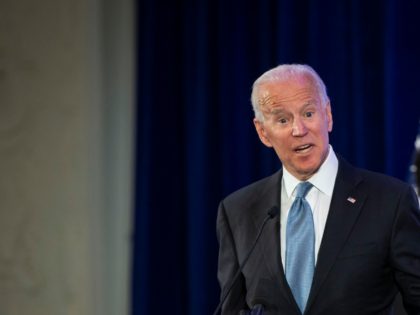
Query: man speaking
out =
(346, 240)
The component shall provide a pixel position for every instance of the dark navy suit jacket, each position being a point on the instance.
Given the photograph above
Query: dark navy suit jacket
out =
(370, 249)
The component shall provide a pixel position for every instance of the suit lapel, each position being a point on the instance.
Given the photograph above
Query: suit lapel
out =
(270, 239)
(271, 236)
(345, 207)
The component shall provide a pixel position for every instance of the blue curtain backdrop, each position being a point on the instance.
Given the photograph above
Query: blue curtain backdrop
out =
(197, 60)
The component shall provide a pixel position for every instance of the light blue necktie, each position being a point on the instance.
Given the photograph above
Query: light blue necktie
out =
(300, 244)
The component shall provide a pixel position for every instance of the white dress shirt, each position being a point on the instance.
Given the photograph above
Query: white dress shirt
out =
(318, 197)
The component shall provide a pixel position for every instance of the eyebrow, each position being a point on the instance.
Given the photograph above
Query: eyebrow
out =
(309, 103)
(277, 111)
(280, 110)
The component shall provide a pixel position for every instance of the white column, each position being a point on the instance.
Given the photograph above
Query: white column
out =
(66, 135)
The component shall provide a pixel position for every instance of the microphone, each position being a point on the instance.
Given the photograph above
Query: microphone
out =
(258, 309)
(271, 213)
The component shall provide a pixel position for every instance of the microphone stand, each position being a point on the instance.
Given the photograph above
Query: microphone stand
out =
(271, 213)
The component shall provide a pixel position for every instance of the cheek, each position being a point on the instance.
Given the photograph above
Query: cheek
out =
(281, 146)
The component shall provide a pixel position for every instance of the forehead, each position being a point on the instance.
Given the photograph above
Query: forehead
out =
(286, 92)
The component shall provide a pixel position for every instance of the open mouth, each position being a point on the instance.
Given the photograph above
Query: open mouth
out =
(303, 148)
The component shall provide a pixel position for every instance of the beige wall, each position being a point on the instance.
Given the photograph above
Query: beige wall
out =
(65, 195)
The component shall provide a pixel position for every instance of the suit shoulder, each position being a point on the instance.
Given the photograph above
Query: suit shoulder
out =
(386, 188)
(382, 181)
(374, 181)
(246, 196)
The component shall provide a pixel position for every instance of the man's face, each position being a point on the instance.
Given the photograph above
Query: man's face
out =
(296, 124)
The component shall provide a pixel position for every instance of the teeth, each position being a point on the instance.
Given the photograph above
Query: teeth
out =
(303, 147)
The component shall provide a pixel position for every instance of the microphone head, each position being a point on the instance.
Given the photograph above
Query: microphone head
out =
(259, 305)
(257, 309)
(273, 212)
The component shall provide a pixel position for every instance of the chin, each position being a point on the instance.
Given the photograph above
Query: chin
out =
(312, 163)
(305, 175)
(307, 172)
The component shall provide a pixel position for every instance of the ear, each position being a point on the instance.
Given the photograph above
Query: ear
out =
(262, 133)
(329, 116)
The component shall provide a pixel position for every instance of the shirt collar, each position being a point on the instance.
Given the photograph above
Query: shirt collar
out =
(323, 179)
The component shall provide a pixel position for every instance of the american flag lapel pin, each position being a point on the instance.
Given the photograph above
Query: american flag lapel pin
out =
(351, 199)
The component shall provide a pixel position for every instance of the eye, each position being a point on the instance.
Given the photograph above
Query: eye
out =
(309, 114)
(282, 121)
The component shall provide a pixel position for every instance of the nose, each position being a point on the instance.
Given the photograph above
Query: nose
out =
(298, 128)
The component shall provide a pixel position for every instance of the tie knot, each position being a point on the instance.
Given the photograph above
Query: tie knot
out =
(302, 189)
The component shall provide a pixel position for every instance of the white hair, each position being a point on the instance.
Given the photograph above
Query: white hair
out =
(282, 73)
